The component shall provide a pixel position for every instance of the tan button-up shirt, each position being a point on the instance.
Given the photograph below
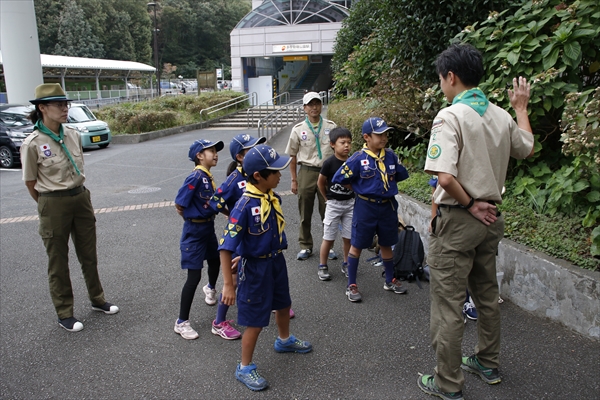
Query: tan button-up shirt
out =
(43, 160)
(302, 143)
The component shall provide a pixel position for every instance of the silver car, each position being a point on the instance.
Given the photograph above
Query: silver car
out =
(92, 131)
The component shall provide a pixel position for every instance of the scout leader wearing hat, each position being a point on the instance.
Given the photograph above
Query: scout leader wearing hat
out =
(52, 160)
(308, 146)
(256, 232)
(373, 173)
(198, 240)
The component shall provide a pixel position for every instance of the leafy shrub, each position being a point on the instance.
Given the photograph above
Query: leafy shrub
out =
(164, 112)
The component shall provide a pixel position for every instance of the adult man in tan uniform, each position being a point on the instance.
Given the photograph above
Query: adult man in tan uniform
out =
(308, 146)
(470, 146)
(52, 160)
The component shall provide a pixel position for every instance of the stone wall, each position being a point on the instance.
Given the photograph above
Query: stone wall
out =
(545, 286)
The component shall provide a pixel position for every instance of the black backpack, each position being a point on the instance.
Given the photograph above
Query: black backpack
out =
(409, 256)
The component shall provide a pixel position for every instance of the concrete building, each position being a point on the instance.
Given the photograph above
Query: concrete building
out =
(285, 46)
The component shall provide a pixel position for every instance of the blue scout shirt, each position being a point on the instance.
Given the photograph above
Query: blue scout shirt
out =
(245, 236)
(195, 195)
(360, 170)
(230, 191)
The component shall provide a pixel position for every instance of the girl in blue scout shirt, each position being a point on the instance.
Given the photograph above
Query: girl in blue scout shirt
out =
(373, 174)
(198, 239)
(255, 232)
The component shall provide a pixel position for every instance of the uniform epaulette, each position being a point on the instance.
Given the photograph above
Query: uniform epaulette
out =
(298, 124)
(31, 136)
(241, 204)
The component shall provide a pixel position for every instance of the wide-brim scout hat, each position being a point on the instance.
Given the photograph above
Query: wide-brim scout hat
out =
(201, 145)
(308, 97)
(375, 125)
(47, 92)
(264, 157)
(242, 142)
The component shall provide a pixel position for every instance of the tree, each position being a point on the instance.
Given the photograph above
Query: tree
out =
(75, 37)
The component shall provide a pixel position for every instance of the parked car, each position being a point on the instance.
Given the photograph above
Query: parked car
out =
(14, 128)
(92, 131)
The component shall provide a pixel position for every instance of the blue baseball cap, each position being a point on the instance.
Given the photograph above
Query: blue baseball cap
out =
(243, 141)
(201, 145)
(375, 125)
(264, 157)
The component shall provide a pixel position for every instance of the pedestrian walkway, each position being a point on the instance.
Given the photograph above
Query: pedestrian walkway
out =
(369, 350)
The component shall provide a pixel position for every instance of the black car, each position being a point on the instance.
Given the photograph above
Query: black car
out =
(14, 128)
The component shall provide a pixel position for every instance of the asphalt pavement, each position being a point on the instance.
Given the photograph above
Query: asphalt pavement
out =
(370, 350)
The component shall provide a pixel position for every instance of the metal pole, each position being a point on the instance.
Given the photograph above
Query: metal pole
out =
(153, 5)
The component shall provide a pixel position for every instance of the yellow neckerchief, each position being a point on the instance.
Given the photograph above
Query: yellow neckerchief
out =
(266, 201)
(207, 172)
(380, 164)
(239, 168)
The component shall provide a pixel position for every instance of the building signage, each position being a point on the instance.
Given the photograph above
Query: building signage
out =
(295, 58)
(289, 48)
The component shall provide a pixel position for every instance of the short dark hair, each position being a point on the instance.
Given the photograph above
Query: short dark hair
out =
(464, 60)
(339, 132)
(264, 173)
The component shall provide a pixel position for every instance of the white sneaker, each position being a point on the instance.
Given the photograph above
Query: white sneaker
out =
(185, 330)
(211, 295)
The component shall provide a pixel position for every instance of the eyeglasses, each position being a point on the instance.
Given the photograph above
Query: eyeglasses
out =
(60, 104)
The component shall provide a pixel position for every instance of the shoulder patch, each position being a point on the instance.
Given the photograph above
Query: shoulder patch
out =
(434, 151)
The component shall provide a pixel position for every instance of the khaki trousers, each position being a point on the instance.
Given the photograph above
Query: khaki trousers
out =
(307, 190)
(61, 217)
(463, 251)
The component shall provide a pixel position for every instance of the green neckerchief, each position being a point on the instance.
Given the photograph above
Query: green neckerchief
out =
(475, 99)
(58, 139)
(316, 134)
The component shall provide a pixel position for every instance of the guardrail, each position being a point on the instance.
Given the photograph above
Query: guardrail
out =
(250, 97)
(282, 98)
(283, 116)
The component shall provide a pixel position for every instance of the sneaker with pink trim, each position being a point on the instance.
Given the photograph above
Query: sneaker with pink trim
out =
(225, 330)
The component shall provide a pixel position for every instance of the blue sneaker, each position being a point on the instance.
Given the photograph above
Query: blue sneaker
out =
(469, 310)
(292, 345)
(304, 254)
(250, 377)
(332, 255)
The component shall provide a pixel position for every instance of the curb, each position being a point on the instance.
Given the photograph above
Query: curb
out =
(543, 285)
(133, 138)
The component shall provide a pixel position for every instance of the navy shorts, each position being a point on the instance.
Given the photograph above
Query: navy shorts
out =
(198, 243)
(262, 287)
(374, 218)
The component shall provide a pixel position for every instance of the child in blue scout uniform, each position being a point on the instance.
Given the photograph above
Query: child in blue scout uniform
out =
(255, 232)
(198, 239)
(224, 200)
(373, 174)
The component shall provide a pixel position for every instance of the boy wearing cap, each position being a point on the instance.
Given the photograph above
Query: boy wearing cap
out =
(308, 146)
(373, 174)
(52, 160)
(198, 239)
(256, 232)
(224, 200)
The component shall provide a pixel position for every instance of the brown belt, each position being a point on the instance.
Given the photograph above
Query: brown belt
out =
(201, 221)
(64, 193)
(381, 201)
(271, 254)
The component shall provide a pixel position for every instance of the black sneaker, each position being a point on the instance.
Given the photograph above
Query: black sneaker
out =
(106, 308)
(427, 384)
(324, 273)
(489, 375)
(71, 324)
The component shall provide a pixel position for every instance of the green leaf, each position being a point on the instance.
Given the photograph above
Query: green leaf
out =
(551, 59)
(573, 50)
(512, 57)
(593, 196)
(547, 103)
(580, 185)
